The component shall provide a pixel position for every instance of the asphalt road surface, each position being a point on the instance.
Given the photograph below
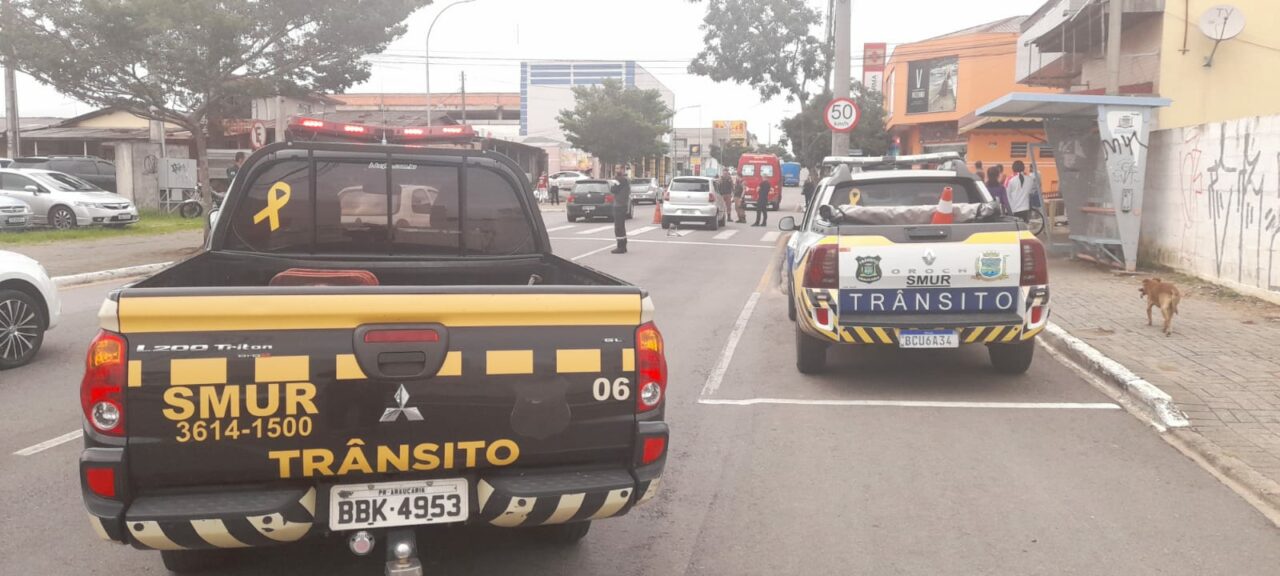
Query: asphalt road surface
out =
(895, 462)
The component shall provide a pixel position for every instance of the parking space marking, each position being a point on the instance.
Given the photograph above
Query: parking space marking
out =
(913, 403)
(594, 230)
(727, 234)
(770, 236)
(596, 251)
(565, 227)
(641, 230)
(50, 443)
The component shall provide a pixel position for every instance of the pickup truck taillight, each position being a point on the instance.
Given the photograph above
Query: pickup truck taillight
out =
(823, 270)
(651, 368)
(1035, 267)
(102, 389)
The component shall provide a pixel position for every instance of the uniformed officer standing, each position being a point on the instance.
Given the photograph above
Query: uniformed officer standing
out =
(621, 201)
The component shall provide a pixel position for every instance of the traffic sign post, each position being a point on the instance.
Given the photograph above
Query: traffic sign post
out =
(258, 135)
(842, 115)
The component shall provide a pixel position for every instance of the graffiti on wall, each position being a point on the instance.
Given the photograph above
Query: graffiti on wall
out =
(1228, 182)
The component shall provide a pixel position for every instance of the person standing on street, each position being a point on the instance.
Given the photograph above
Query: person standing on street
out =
(810, 186)
(978, 173)
(762, 202)
(997, 189)
(621, 201)
(1019, 190)
(724, 186)
(739, 201)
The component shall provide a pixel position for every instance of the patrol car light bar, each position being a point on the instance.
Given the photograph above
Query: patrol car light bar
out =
(860, 161)
(376, 133)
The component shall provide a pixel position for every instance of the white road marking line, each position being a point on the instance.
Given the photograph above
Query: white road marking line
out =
(596, 251)
(47, 444)
(726, 357)
(687, 242)
(559, 228)
(641, 230)
(770, 236)
(915, 403)
(594, 230)
(727, 234)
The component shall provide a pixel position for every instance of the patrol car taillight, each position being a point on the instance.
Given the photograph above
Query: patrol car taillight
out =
(608, 198)
(823, 270)
(1035, 267)
(102, 389)
(651, 368)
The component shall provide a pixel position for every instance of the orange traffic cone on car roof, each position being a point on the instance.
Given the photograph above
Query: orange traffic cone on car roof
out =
(943, 214)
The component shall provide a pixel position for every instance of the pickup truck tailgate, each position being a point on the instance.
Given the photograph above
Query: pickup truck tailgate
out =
(322, 382)
(915, 272)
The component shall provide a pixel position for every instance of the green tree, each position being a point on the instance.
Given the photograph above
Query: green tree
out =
(181, 61)
(729, 154)
(811, 139)
(779, 149)
(616, 124)
(769, 45)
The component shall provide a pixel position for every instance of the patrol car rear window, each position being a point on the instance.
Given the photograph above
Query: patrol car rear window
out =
(370, 208)
(690, 186)
(904, 192)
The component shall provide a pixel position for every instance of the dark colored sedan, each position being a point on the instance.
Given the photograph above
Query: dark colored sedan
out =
(592, 199)
(96, 170)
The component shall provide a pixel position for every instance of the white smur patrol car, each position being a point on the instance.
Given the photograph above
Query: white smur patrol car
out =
(866, 266)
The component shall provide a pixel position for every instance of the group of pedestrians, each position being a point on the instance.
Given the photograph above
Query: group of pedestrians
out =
(733, 193)
(1017, 193)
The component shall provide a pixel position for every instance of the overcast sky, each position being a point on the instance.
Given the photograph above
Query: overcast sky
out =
(488, 39)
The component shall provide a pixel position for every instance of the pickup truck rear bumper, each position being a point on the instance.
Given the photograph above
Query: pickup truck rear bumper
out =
(820, 317)
(217, 517)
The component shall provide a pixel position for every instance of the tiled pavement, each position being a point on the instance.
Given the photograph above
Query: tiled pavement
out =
(1221, 365)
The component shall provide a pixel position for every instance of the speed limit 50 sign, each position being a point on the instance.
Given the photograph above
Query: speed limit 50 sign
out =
(842, 115)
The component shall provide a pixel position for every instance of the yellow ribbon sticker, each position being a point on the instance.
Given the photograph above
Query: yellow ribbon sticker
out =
(277, 198)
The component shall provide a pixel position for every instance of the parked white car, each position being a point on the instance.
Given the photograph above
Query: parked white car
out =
(64, 201)
(14, 214)
(29, 306)
(564, 181)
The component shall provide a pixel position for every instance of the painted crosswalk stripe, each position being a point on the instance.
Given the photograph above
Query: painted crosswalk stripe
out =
(595, 230)
(770, 236)
(559, 228)
(641, 230)
(679, 232)
(727, 234)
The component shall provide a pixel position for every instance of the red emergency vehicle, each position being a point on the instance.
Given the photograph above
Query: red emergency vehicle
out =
(755, 168)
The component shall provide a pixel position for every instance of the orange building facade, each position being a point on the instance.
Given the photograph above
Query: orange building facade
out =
(933, 87)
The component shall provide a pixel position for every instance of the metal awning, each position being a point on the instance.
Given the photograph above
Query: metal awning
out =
(1032, 105)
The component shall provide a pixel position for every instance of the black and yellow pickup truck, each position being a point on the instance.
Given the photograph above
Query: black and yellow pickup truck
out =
(375, 338)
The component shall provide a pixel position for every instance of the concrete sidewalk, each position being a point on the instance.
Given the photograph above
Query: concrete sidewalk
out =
(1221, 365)
(81, 256)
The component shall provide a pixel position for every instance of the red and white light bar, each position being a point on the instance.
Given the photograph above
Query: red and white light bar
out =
(374, 133)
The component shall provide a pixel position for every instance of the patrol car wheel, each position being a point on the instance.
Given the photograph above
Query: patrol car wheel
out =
(791, 301)
(1012, 358)
(193, 561)
(566, 534)
(811, 353)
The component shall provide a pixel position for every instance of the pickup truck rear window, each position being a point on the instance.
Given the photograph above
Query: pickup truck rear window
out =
(904, 192)
(348, 208)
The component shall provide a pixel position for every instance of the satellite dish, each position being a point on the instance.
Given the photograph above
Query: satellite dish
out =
(1221, 22)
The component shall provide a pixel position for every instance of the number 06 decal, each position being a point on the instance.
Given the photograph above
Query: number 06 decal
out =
(603, 389)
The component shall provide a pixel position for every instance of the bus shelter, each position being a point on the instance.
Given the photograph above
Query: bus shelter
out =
(1099, 145)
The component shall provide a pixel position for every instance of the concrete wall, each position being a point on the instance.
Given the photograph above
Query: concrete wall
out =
(136, 171)
(1212, 204)
(1140, 46)
(1242, 81)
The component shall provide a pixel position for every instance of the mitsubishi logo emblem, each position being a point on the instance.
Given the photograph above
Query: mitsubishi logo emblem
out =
(393, 414)
(930, 258)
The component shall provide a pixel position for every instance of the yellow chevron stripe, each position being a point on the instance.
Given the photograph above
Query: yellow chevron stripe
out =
(452, 364)
(578, 361)
(884, 336)
(135, 373)
(993, 334)
(503, 362)
(1029, 334)
(193, 371)
(281, 369)
(349, 368)
(974, 334)
(568, 506)
(863, 335)
(216, 534)
(149, 534)
(1011, 334)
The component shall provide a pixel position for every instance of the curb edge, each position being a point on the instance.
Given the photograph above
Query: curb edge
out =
(101, 275)
(1149, 395)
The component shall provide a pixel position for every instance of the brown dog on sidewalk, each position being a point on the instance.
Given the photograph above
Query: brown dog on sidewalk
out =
(1164, 295)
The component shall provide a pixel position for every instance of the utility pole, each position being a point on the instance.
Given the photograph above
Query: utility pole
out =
(1114, 20)
(282, 121)
(13, 138)
(843, 14)
(464, 96)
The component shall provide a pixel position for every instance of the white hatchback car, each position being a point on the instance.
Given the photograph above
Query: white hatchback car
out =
(64, 201)
(29, 306)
